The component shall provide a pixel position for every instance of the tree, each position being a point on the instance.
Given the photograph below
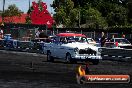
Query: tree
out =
(12, 11)
(94, 18)
(117, 16)
(1, 13)
(95, 13)
(65, 14)
(130, 11)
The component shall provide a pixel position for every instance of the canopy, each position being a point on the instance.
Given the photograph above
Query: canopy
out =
(70, 34)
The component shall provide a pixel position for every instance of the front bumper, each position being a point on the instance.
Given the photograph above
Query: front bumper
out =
(85, 57)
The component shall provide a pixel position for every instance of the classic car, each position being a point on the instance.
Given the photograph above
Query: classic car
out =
(24, 45)
(38, 44)
(91, 41)
(119, 42)
(72, 47)
(9, 42)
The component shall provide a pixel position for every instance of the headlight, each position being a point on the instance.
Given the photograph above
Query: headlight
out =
(99, 50)
(76, 49)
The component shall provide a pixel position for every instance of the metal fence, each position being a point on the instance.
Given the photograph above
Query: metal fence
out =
(27, 29)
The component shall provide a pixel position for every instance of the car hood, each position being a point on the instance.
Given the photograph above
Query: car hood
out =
(81, 45)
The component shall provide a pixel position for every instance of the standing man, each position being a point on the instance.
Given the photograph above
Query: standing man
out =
(1, 33)
(123, 36)
(103, 39)
(37, 34)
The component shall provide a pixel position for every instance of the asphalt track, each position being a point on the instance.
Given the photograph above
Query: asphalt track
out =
(23, 70)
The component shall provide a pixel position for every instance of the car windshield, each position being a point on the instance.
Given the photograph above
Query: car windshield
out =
(90, 40)
(77, 39)
(122, 41)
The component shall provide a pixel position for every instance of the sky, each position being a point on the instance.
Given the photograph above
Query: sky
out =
(23, 5)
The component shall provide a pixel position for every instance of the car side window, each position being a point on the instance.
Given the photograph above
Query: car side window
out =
(56, 40)
(63, 40)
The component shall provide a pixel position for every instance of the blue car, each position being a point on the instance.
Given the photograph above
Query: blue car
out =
(9, 43)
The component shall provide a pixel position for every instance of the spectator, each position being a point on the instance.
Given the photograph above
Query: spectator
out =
(37, 34)
(103, 40)
(113, 36)
(123, 36)
(1, 33)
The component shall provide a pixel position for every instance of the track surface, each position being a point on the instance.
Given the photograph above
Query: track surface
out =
(15, 72)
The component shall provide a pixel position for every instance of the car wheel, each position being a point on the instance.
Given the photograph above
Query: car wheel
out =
(95, 62)
(68, 57)
(49, 57)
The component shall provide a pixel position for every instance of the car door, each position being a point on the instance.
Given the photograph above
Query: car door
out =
(63, 50)
(59, 48)
(62, 47)
(55, 48)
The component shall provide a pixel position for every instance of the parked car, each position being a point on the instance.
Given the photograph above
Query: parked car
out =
(119, 42)
(1, 43)
(38, 44)
(72, 47)
(9, 43)
(24, 45)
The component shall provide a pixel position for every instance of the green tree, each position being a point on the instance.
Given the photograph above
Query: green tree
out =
(130, 11)
(94, 18)
(12, 11)
(117, 16)
(65, 14)
(95, 13)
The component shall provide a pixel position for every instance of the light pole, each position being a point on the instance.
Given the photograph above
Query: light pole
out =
(3, 10)
(79, 14)
(29, 4)
(79, 18)
(3, 5)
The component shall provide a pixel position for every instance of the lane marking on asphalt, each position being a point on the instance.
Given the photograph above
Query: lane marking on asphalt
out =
(113, 56)
(105, 55)
(127, 57)
(120, 56)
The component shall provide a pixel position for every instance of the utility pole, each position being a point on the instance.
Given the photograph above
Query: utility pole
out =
(79, 18)
(29, 4)
(79, 15)
(3, 5)
(3, 10)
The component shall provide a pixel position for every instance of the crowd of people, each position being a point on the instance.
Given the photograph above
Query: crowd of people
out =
(104, 39)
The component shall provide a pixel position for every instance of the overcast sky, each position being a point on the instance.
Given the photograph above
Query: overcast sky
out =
(23, 5)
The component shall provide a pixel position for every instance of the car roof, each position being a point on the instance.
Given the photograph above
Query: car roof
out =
(89, 38)
(70, 34)
(118, 38)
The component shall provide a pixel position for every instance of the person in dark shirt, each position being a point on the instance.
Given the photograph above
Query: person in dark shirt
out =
(103, 40)
(87, 68)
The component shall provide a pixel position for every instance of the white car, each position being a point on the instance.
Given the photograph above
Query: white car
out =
(120, 43)
(72, 47)
(91, 41)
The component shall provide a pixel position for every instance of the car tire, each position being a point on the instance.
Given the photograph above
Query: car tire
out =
(49, 57)
(95, 62)
(68, 57)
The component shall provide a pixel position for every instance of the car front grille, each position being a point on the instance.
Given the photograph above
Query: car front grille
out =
(87, 51)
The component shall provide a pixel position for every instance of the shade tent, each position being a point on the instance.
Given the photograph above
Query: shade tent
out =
(70, 34)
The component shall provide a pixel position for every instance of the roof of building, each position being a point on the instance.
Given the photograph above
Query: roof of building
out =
(15, 19)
